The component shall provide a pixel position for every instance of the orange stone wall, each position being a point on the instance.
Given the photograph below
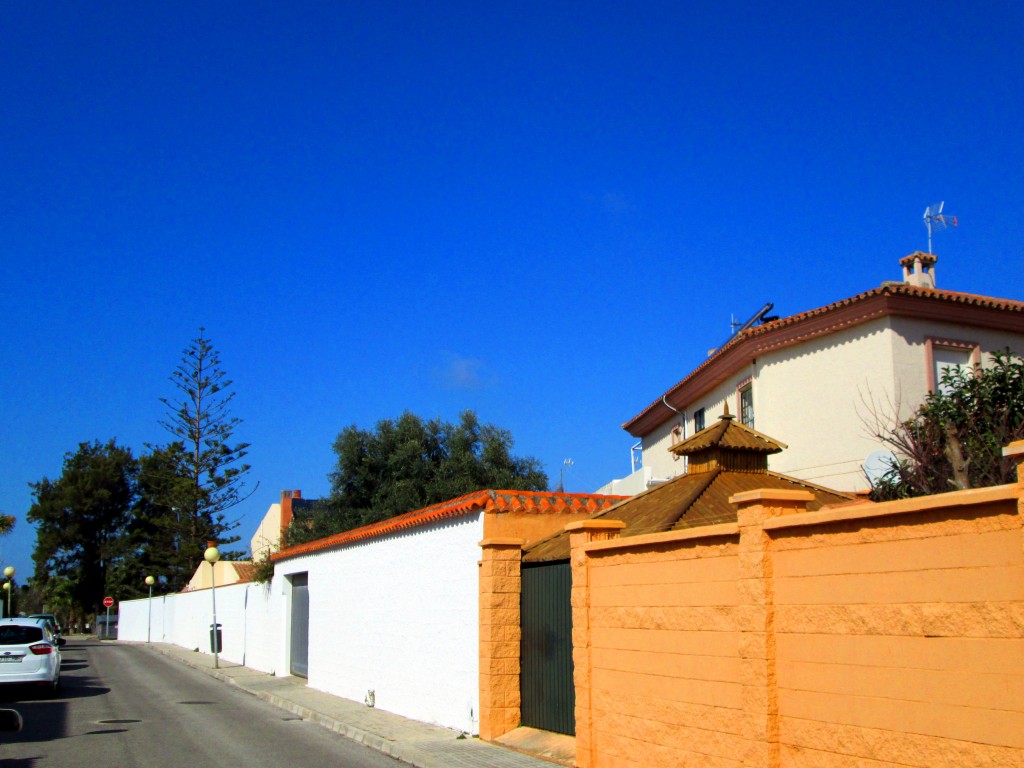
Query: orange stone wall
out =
(900, 640)
(500, 634)
(866, 636)
(530, 526)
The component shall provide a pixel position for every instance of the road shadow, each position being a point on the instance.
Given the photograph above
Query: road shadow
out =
(45, 715)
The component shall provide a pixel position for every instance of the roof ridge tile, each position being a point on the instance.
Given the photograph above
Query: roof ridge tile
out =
(483, 500)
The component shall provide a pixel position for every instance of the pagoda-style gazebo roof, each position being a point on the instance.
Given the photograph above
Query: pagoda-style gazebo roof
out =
(725, 459)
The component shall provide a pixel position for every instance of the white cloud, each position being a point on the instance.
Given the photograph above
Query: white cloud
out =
(457, 372)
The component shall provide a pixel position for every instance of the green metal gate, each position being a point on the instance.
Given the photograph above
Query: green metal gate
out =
(546, 685)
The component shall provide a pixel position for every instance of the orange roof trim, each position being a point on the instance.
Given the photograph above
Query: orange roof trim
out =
(537, 502)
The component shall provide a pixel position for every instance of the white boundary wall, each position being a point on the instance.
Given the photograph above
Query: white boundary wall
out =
(184, 619)
(396, 615)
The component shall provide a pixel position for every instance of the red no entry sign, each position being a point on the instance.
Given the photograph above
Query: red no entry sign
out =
(107, 602)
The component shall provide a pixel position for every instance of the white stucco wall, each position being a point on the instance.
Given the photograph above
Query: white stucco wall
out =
(262, 631)
(398, 616)
(816, 397)
(184, 619)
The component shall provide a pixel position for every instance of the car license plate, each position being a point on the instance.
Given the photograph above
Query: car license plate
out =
(9, 659)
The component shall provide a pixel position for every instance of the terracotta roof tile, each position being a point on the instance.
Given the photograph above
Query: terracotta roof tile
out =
(539, 502)
(245, 571)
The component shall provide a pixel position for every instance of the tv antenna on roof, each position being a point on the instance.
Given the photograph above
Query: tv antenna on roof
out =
(738, 328)
(935, 219)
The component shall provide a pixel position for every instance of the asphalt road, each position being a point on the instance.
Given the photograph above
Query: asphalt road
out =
(120, 706)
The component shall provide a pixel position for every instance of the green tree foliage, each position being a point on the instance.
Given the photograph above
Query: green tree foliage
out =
(162, 527)
(190, 484)
(110, 519)
(955, 439)
(82, 521)
(408, 463)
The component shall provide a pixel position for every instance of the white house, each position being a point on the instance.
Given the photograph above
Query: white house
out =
(820, 379)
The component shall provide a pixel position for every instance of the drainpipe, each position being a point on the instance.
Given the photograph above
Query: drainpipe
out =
(682, 414)
(638, 446)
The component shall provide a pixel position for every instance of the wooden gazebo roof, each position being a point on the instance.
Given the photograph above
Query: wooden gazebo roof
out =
(725, 459)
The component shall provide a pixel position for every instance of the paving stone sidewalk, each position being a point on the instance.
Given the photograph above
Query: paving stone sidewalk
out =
(413, 742)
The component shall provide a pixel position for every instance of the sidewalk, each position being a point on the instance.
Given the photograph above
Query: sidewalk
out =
(413, 742)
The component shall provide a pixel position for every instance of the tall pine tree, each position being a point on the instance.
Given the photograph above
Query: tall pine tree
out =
(190, 484)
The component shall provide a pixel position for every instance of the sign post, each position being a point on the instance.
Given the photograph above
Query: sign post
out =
(107, 602)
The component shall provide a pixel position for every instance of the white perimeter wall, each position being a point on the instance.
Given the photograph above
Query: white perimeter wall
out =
(184, 619)
(396, 615)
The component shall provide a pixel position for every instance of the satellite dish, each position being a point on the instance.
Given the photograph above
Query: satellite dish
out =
(877, 464)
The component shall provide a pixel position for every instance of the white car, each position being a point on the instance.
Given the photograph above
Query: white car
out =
(29, 653)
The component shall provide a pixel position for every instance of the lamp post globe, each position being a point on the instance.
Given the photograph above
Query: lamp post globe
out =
(212, 555)
(150, 581)
(9, 571)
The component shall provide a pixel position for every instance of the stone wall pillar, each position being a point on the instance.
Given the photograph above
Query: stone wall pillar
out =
(500, 633)
(581, 533)
(757, 634)
(1016, 450)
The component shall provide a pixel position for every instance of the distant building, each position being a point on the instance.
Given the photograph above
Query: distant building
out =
(227, 572)
(267, 539)
(820, 379)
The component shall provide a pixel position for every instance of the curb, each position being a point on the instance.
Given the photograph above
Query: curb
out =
(366, 738)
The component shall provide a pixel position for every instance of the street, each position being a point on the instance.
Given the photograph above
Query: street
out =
(123, 706)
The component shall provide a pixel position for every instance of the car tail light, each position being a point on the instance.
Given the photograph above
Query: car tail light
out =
(41, 649)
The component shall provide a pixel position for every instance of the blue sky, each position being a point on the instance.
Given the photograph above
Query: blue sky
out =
(546, 212)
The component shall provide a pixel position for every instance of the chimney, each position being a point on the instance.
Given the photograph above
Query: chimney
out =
(919, 269)
(286, 509)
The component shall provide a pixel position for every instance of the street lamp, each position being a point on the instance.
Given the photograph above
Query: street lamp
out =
(150, 581)
(212, 555)
(9, 573)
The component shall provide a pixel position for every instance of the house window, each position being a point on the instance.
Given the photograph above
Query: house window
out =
(698, 420)
(746, 396)
(945, 356)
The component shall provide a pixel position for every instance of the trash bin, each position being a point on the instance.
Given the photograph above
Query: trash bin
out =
(215, 638)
